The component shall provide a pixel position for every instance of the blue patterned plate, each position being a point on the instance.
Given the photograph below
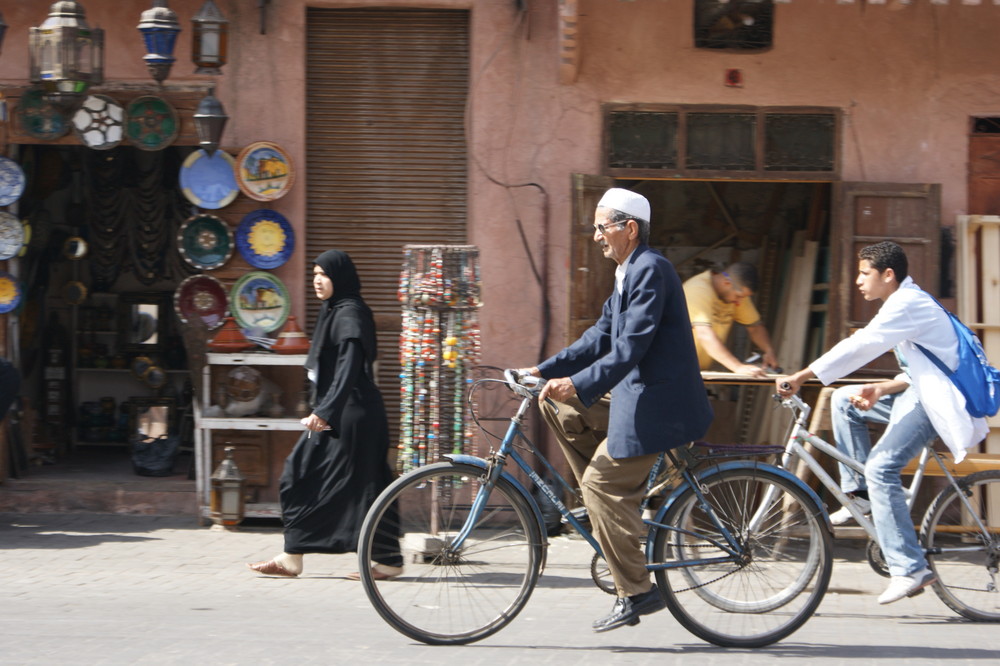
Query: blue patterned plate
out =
(10, 293)
(205, 241)
(12, 181)
(209, 182)
(259, 302)
(265, 238)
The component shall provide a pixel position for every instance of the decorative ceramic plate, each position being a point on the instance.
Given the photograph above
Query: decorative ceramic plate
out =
(202, 297)
(259, 302)
(11, 236)
(75, 292)
(140, 364)
(12, 181)
(98, 122)
(205, 241)
(151, 123)
(208, 182)
(39, 117)
(265, 238)
(154, 377)
(10, 292)
(264, 171)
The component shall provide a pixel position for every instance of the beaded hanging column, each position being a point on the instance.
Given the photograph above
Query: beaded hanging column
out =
(439, 288)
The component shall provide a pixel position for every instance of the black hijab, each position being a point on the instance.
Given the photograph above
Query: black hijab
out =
(344, 315)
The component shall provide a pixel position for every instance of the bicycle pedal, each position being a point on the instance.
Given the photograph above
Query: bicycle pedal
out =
(916, 592)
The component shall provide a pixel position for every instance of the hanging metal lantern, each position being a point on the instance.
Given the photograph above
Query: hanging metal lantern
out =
(210, 40)
(159, 28)
(227, 503)
(210, 120)
(66, 55)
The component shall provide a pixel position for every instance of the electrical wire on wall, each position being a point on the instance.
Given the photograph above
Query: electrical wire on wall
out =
(539, 267)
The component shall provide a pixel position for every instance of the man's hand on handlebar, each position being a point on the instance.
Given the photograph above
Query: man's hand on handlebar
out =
(527, 372)
(790, 384)
(560, 390)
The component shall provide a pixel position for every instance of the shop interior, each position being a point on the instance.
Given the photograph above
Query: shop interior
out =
(101, 349)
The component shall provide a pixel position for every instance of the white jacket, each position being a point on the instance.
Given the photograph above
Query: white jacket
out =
(909, 315)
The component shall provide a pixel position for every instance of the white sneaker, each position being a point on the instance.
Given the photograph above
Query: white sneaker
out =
(842, 515)
(907, 586)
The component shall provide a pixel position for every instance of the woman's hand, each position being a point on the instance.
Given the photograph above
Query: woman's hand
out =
(315, 423)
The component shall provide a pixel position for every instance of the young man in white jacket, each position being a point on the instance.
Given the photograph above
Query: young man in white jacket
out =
(918, 405)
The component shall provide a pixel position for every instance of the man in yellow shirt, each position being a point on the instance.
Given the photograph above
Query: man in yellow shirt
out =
(715, 299)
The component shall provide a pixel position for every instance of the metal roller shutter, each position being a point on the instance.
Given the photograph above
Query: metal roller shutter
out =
(385, 150)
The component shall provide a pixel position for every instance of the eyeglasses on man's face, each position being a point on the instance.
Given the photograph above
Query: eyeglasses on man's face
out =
(603, 228)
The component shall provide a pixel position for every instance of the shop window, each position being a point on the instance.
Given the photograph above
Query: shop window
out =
(986, 125)
(643, 140)
(746, 25)
(798, 142)
(721, 141)
(656, 141)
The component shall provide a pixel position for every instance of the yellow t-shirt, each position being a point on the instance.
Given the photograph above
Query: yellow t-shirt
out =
(705, 308)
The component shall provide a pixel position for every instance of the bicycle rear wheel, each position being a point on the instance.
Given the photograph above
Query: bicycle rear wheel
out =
(963, 554)
(446, 595)
(776, 580)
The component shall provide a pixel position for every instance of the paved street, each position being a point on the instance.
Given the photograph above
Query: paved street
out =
(118, 589)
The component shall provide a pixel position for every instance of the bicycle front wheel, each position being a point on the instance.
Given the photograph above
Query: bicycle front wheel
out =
(447, 594)
(963, 546)
(770, 585)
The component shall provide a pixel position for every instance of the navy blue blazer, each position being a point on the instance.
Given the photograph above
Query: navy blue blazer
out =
(642, 350)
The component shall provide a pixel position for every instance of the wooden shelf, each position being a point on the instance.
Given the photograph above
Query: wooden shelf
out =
(255, 358)
(248, 423)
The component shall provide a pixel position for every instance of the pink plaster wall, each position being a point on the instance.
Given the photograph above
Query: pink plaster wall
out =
(908, 81)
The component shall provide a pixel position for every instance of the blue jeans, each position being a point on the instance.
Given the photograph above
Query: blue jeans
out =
(907, 433)
(850, 432)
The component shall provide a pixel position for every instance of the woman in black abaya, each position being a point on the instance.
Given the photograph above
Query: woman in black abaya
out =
(338, 467)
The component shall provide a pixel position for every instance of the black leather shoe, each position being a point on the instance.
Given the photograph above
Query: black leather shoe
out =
(627, 611)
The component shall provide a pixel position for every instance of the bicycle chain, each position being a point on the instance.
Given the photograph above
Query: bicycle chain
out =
(708, 582)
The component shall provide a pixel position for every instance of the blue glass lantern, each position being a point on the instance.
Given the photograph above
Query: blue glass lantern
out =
(159, 28)
(65, 54)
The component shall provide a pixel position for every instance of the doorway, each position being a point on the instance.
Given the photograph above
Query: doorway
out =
(99, 343)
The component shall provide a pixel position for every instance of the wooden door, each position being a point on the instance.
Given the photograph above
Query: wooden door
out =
(592, 277)
(984, 175)
(866, 213)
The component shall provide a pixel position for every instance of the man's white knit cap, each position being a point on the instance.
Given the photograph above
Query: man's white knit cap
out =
(626, 201)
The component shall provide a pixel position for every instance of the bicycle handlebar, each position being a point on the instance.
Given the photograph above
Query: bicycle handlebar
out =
(526, 386)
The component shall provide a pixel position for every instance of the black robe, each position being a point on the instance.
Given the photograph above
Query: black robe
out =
(331, 478)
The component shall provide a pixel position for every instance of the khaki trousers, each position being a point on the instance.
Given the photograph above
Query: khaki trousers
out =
(612, 489)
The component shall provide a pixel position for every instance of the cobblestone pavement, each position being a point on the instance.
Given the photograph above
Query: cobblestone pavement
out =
(117, 589)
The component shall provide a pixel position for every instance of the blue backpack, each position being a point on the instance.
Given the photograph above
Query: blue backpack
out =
(977, 380)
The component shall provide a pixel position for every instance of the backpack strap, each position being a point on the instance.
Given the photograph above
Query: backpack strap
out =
(951, 319)
(935, 360)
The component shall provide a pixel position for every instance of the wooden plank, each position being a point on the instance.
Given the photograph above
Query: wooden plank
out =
(974, 462)
(979, 292)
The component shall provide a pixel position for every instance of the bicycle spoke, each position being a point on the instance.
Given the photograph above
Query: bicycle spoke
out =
(778, 579)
